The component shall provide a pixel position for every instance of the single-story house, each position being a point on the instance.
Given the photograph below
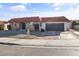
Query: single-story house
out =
(60, 23)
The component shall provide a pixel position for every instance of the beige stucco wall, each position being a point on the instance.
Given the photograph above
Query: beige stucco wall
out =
(5, 27)
(17, 26)
(43, 26)
(67, 26)
(30, 26)
(13, 26)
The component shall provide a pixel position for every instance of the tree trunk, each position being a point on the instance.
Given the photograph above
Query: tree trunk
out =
(28, 28)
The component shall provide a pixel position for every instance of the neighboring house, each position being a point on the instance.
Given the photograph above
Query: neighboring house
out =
(75, 24)
(2, 25)
(40, 23)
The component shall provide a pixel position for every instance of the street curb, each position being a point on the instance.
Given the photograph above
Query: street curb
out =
(9, 43)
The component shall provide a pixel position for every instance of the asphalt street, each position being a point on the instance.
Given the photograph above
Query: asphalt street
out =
(14, 50)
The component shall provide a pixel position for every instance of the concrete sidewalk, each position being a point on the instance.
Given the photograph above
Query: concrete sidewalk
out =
(69, 35)
(48, 42)
(75, 32)
(41, 42)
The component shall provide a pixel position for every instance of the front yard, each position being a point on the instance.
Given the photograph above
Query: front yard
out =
(39, 35)
(47, 35)
(33, 35)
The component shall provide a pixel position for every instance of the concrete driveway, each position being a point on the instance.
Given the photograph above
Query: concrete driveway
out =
(68, 35)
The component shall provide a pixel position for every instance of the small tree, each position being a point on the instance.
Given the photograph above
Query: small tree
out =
(28, 28)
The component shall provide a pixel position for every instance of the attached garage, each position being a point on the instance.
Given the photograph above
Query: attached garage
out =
(56, 23)
(55, 27)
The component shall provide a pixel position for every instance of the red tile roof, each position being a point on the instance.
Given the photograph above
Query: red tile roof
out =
(2, 22)
(25, 19)
(38, 19)
(55, 19)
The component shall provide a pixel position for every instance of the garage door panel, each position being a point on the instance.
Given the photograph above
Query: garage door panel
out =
(55, 27)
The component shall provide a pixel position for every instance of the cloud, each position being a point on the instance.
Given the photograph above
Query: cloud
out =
(26, 4)
(18, 8)
(77, 6)
(57, 8)
(58, 4)
(1, 6)
(71, 13)
(35, 10)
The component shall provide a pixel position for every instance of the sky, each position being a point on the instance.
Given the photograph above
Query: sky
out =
(15, 10)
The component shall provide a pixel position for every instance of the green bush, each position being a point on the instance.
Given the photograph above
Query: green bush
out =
(1, 27)
(9, 27)
(74, 23)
